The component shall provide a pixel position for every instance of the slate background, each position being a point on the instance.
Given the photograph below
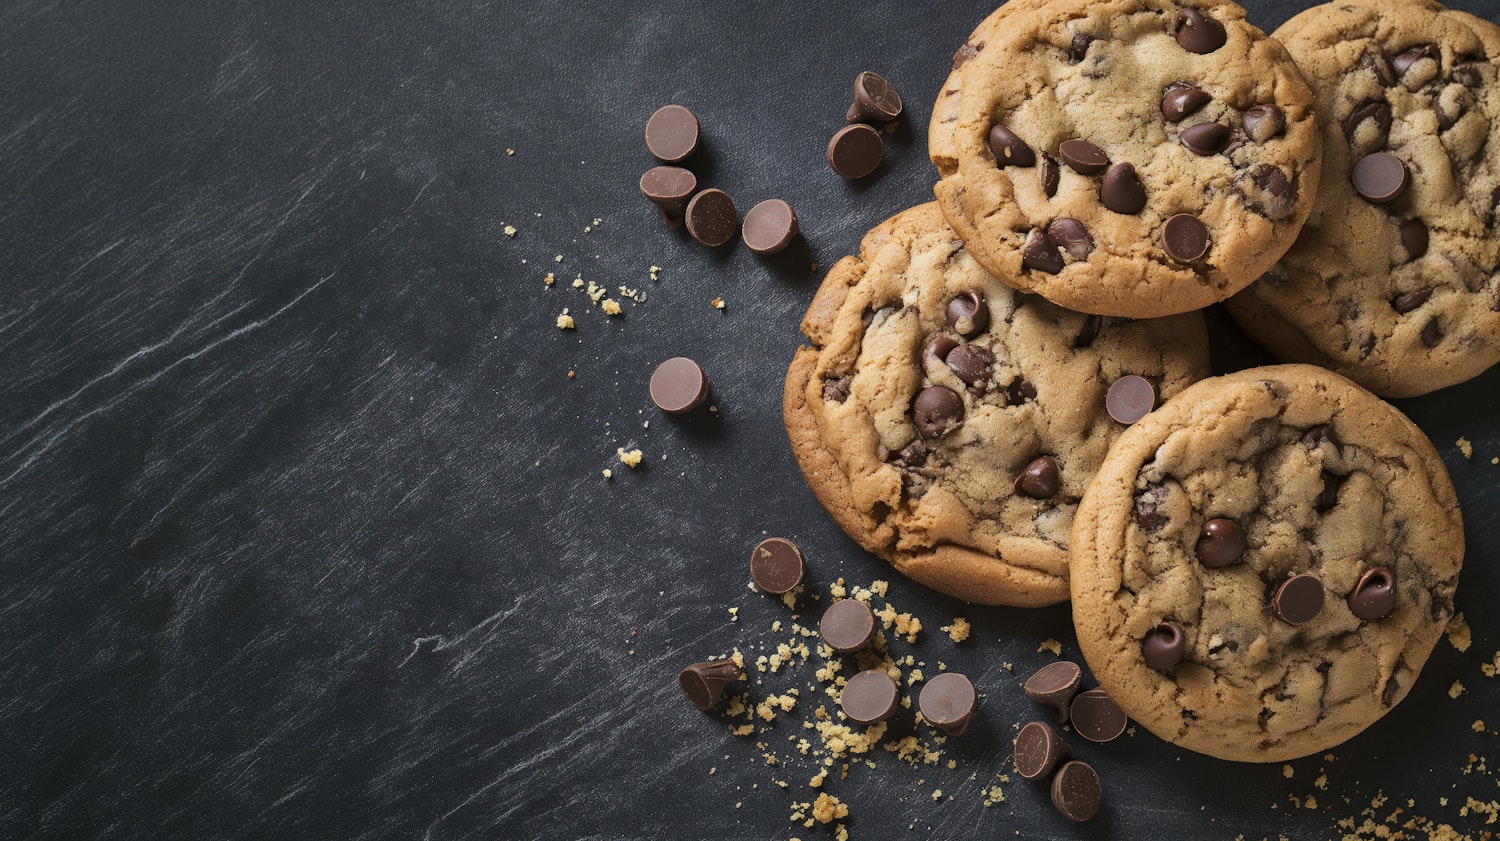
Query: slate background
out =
(303, 531)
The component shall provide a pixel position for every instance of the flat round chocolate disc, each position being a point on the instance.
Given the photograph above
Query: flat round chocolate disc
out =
(869, 696)
(777, 565)
(672, 133)
(678, 385)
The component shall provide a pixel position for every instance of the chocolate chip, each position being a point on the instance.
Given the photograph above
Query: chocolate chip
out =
(968, 314)
(679, 385)
(1079, 48)
(1299, 599)
(1164, 646)
(1096, 717)
(1182, 99)
(965, 54)
(836, 389)
(1432, 333)
(703, 683)
(847, 626)
(1205, 138)
(1076, 791)
(1072, 237)
(1404, 61)
(1051, 174)
(1054, 685)
(711, 217)
(1471, 73)
(1130, 399)
(1374, 597)
(1185, 238)
(1019, 391)
(1221, 542)
(1263, 122)
(1198, 33)
(1038, 750)
(940, 346)
(669, 188)
(1414, 237)
(1392, 689)
(769, 227)
(869, 697)
(1040, 479)
(947, 702)
(1379, 177)
(1092, 324)
(855, 151)
(1377, 111)
(1148, 514)
(1448, 114)
(777, 565)
(1320, 434)
(1040, 253)
(936, 410)
(1274, 181)
(974, 365)
(1008, 149)
(1082, 156)
(875, 101)
(1122, 191)
(1329, 496)
(672, 133)
(1409, 301)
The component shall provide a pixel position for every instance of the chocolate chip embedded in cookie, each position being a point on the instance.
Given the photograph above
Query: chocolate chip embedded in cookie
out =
(950, 424)
(1395, 281)
(1264, 563)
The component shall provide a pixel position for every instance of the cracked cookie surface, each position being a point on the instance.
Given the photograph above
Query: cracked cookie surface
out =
(950, 424)
(1177, 144)
(1318, 478)
(1401, 296)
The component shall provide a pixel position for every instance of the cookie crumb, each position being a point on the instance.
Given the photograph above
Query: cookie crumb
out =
(1456, 689)
(565, 322)
(557, 259)
(959, 630)
(608, 474)
(1052, 645)
(937, 794)
(734, 616)
(1477, 726)
(1286, 771)
(611, 306)
(1491, 668)
(510, 151)
(549, 279)
(510, 230)
(1465, 447)
(827, 808)
(631, 458)
(718, 303)
(1459, 635)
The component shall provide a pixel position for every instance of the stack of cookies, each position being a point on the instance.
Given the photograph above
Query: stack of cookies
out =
(1004, 394)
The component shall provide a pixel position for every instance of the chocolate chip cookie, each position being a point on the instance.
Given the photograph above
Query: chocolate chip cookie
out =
(1264, 563)
(950, 424)
(1393, 281)
(1131, 157)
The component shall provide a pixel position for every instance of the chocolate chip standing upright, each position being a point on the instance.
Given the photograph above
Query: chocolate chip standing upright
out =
(711, 217)
(703, 683)
(1130, 398)
(947, 702)
(1040, 479)
(769, 227)
(1054, 685)
(869, 697)
(1076, 791)
(1009, 149)
(855, 151)
(1095, 716)
(1299, 599)
(678, 385)
(847, 626)
(1038, 750)
(1263, 122)
(669, 188)
(1374, 596)
(672, 133)
(936, 410)
(1198, 33)
(875, 101)
(777, 565)
(1221, 542)
(968, 314)
(1164, 646)
(1181, 99)
(1122, 190)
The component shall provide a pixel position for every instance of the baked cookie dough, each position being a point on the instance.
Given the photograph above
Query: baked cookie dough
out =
(1129, 157)
(1400, 294)
(1264, 563)
(950, 424)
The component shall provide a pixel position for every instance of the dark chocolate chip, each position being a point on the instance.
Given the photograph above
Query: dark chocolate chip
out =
(1221, 542)
(1392, 689)
(1051, 174)
(1205, 138)
(1414, 237)
(1274, 181)
(965, 54)
(847, 626)
(679, 385)
(1320, 434)
(1039, 750)
(1299, 599)
(672, 133)
(777, 565)
(703, 683)
(1409, 301)
(1185, 238)
(1096, 717)
(1082, 156)
(1090, 330)
(1164, 646)
(974, 365)
(1008, 149)
(869, 697)
(1130, 399)
(1374, 597)
(875, 101)
(1079, 48)
(1182, 99)
(1040, 479)
(1019, 391)
(1072, 237)
(1329, 496)
(1404, 61)
(1432, 333)
(936, 410)
(1198, 33)
(855, 151)
(1054, 685)
(669, 188)
(769, 227)
(940, 346)
(836, 389)
(1076, 791)
(711, 217)
(1377, 110)
(1148, 513)
(968, 314)
(1447, 117)
(1040, 253)
(1122, 191)
(947, 702)
(1379, 177)
(1263, 122)
(1471, 74)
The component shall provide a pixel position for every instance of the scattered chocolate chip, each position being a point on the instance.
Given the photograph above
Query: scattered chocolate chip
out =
(672, 133)
(1185, 238)
(936, 410)
(1263, 122)
(1374, 597)
(1040, 253)
(1019, 391)
(777, 565)
(1051, 174)
(1182, 99)
(1205, 138)
(1054, 685)
(1320, 434)
(875, 101)
(1329, 496)
(1432, 333)
(968, 314)
(1082, 156)
(847, 626)
(1164, 646)
(1092, 324)
(855, 151)
(679, 385)
(1404, 61)
(947, 702)
(972, 364)
(965, 54)
(1079, 48)
(669, 188)
(1379, 177)
(940, 346)
(1221, 542)
(1096, 717)
(869, 696)
(703, 683)
(1076, 791)
(1373, 109)
(711, 217)
(1039, 750)
(1122, 191)
(1130, 399)
(1299, 599)
(1409, 301)
(1198, 33)
(1040, 479)
(1008, 149)
(769, 227)
(836, 389)
(1072, 237)
(1414, 237)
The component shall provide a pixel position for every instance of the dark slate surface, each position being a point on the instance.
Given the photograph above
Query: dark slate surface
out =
(302, 524)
